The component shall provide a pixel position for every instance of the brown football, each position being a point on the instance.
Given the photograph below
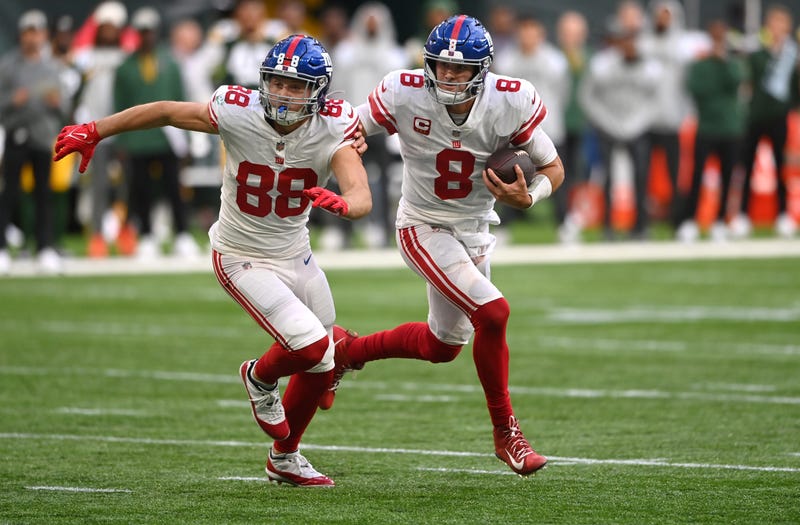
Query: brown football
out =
(502, 162)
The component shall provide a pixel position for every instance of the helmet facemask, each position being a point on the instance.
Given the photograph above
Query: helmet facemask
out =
(277, 107)
(463, 91)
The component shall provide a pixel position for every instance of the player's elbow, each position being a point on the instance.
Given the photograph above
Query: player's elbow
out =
(556, 173)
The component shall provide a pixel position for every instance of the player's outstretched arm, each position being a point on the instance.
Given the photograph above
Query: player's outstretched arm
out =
(83, 138)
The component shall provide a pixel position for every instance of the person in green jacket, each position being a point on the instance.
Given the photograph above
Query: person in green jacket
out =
(147, 75)
(714, 83)
(775, 85)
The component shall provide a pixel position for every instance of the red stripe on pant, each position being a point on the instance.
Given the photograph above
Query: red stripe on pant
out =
(239, 297)
(425, 263)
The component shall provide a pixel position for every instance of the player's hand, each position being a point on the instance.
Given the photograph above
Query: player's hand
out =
(514, 194)
(360, 142)
(81, 138)
(327, 200)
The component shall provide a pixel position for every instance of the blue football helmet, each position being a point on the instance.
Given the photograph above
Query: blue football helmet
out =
(460, 39)
(299, 57)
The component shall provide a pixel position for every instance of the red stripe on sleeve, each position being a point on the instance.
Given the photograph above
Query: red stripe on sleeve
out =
(212, 117)
(380, 115)
(523, 135)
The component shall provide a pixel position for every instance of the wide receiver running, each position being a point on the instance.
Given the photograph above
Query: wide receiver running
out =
(281, 142)
(450, 117)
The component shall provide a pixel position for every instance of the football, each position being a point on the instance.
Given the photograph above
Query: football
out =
(502, 162)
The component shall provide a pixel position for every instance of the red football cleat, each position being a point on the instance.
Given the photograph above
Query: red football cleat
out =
(266, 405)
(511, 447)
(293, 468)
(342, 339)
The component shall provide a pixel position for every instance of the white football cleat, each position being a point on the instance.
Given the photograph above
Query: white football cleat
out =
(5, 262)
(687, 232)
(740, 227)
(185, 246)
(148, 248)
(719, 232)
(785, 226)
(49, 262)
(293, 468)
(266, 404)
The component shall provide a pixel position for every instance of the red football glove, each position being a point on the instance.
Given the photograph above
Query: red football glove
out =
(327, 200)
(82, 138)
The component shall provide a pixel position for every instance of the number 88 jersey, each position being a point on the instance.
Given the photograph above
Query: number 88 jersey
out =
(263, 212)
(443, 161)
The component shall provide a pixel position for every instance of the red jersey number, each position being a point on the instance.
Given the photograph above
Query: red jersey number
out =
(238, 96)
(454, 168)
(255, 182)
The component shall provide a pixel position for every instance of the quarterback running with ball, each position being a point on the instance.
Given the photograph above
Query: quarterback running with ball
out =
(282, 142)
(450, 117)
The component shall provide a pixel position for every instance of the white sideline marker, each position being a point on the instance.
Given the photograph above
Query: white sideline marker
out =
(79, 489)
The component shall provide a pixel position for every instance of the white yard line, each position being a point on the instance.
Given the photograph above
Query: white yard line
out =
(383, 450)
(637, 345)
(79, 411)
(518, 254)
(380, 388)
(78, 489)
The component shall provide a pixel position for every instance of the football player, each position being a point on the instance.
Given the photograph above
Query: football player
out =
(450, 117)
(282, 142)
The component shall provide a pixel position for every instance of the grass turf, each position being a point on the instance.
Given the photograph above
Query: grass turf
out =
(662, 392)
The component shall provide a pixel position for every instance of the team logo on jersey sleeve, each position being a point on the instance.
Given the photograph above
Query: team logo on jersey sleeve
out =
(422, 125)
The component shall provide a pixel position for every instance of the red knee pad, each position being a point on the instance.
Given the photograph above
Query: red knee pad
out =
(312, 354)
(492, 314)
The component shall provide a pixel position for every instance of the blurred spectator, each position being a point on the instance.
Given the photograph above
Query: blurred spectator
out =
(63, 181)
(434, 12)
(242, 43)
(502, 26)
(538, 61)
(714, 82)
(294, 15)
(775, 90)
(667, 42)
(97, 63)
(617, 96)
(362, 60)
(630, 16)
(148, 75)
(334, 25)
(573, 32)
(31, 111)
(195, 61)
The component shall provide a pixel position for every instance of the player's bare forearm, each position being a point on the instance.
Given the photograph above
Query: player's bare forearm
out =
(352, 178)
(192, 116)
(554, 171)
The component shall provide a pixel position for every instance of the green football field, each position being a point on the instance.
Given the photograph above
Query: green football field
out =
(662, 392)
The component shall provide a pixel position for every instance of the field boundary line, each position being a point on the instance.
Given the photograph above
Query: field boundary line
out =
(599, 252)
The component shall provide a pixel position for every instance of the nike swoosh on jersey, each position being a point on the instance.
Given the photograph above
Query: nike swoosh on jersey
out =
(307, 260)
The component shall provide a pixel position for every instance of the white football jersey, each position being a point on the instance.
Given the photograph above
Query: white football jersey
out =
(443, 162)
(263, 212)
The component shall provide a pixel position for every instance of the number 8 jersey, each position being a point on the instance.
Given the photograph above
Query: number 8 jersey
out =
(443, 162)
(263, 212)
